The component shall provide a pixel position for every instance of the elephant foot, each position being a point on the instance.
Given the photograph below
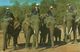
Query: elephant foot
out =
(43, 44)
(52, 45)
(74, 42)
(5, 48)
(15, 47)
(68, 40)
(27, 46)
(35, 47)
(60, 40)
(65, 42)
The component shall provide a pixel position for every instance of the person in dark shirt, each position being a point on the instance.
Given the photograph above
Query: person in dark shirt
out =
(8, 13)
(36, 10)
(50, 11)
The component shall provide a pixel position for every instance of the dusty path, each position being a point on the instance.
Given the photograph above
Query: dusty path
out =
(64, 48)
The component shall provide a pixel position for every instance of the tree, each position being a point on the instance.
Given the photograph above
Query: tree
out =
(61, 7)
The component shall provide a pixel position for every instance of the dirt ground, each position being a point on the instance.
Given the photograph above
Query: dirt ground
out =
(63, 48)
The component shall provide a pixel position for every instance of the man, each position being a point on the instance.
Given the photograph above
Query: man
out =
(50, 11)
(8, 13)
(36, 10)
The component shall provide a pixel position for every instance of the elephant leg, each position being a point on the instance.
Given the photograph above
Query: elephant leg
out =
(27, 36)
(41, 38)
(75, 36)
(79, 31)
(56, 38)
(52, 39)
(44, 38)
(49, 40)
(14, 42)
(9, 37)
(17, 38)
(65, 35)
(35, 41)
(59, 37)
(70, 34)
(4, 41)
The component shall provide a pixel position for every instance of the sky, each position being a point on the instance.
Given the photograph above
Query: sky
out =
(8, 3)
(5, 3)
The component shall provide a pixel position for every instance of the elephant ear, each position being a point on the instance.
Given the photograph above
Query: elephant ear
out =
(26, 21)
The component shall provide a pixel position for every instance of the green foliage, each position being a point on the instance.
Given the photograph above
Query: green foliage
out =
(2, 12)
(45, 4)
(59, 8)
(62, 7)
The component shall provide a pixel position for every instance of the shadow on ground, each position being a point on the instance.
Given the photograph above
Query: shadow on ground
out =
(46, 46)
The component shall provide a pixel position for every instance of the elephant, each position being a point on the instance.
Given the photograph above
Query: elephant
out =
(35, 26)
(50, 23)
(43, 29)
(9, 30)
(27, 30)
(30, 27)
(71, 25)
(79, 29)
(5, 24)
